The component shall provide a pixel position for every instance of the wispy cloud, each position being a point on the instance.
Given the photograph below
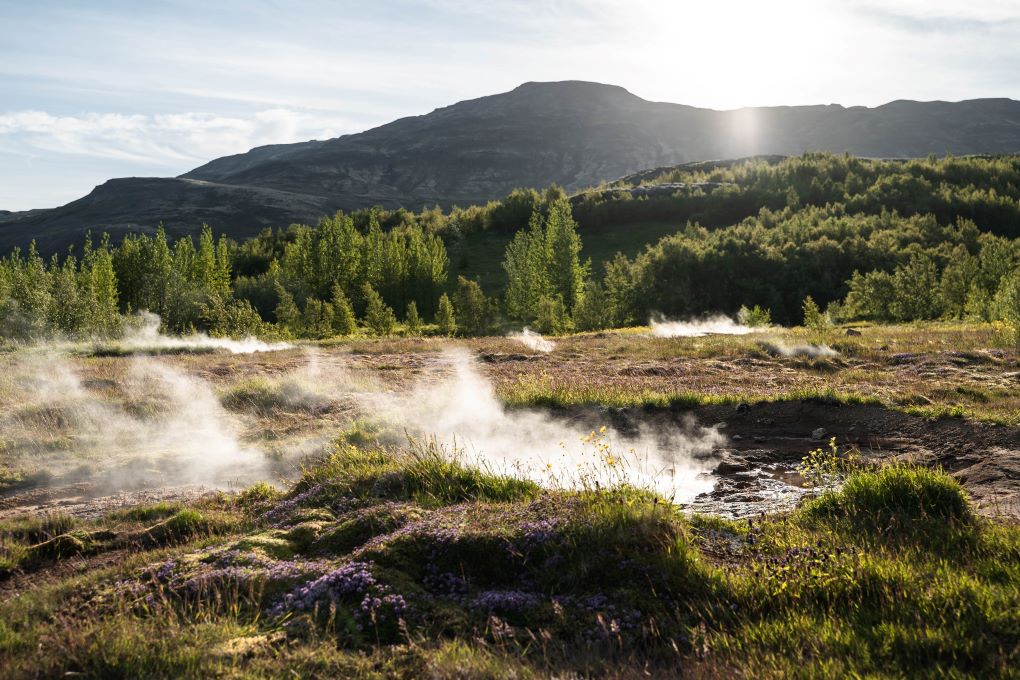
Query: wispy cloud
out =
(175, 83)
(171, 140)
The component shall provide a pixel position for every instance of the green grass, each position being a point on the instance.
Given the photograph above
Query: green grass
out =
(891, 576)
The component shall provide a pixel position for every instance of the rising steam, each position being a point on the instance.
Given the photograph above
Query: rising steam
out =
(155, 425)
(801, 350)
(462, 410)
(143, 421)
(533, 341)
(143, 336)
(696, 328)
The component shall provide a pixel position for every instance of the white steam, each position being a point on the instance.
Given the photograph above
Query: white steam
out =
(533, 340)
(144, 336)
(462, 411)
(802, 350)
(696, 328)
(155, 425)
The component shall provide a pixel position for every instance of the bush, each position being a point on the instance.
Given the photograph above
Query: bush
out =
(896, 501)
(755, 316)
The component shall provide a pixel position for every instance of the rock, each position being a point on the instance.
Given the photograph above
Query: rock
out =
(819, 433)
(743, 407)
(731, 465)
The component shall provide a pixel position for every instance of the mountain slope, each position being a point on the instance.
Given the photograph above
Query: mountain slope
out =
(575, 134)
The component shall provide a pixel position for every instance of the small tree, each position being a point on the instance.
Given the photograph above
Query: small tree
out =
(813, 317)
(1007, 305)
(344, 321)
(379, 316)
(288, 316)
(412, 319)
(552, 316)
(755, 316)
(594, 311)
(317, 319)
(474, 311)
(445, 318)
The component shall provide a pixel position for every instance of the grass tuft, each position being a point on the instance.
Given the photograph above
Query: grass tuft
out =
(895, 501)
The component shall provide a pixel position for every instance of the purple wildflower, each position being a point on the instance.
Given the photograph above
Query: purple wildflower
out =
(354, 577)
(506, 600)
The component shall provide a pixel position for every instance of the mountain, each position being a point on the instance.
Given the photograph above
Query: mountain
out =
(575, 134)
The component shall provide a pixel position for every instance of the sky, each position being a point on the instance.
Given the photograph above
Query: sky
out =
(95, 89)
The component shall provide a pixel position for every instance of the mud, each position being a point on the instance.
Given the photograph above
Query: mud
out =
(757, 469)
(91, 501)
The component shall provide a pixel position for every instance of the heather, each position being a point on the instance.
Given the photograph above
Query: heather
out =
(388, 563)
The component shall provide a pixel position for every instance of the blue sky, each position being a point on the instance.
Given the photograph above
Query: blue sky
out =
(96, 89)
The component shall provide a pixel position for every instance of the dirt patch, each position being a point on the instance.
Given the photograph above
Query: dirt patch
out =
(87, 501)
(757, 469)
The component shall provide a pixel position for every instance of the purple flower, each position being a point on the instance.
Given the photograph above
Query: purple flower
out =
(354, 577)
(506, 600)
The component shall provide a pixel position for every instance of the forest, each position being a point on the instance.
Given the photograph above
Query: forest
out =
(874, 240)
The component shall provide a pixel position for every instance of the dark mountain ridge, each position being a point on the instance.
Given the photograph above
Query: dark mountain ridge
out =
(575, 134)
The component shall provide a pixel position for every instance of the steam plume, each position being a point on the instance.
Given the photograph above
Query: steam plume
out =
(533, 341)
(696, 328)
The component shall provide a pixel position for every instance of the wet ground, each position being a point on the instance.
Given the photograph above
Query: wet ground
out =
(758, 470)
(754, 471)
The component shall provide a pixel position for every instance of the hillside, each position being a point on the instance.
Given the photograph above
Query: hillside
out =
(574, 134)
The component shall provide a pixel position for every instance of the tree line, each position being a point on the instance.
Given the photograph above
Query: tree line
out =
(863, 239)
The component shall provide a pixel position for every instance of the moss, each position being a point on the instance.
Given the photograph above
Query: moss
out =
(273, 543)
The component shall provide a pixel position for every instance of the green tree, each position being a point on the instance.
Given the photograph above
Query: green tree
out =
(446, 320)
(474, 312)
(344, 321)
(412, 320)
(379, 316)
(1007, 304)
(594, 311)
(552, 316)
(916, 285)
(288, 316)
(813, 317)
(566, 274)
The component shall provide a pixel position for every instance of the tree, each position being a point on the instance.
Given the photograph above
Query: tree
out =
(871, 296)
(594, 311)
(317, 319)
(288, 316)
(344, 321)
(412, 320)
(552, 316)
(445, 318)
(1007, 304)
(474, 311)
(527, 270)
(813, 317)
(379, 316)
(916, 285)
(755, 316)
(565, 273)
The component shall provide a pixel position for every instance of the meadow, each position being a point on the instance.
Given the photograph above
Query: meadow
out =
(196, 513)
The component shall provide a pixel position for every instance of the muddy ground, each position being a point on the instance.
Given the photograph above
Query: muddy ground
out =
(754, 471)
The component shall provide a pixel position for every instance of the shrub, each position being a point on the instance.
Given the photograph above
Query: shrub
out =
(897, 501)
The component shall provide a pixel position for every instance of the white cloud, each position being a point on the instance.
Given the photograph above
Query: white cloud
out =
(176, 141)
